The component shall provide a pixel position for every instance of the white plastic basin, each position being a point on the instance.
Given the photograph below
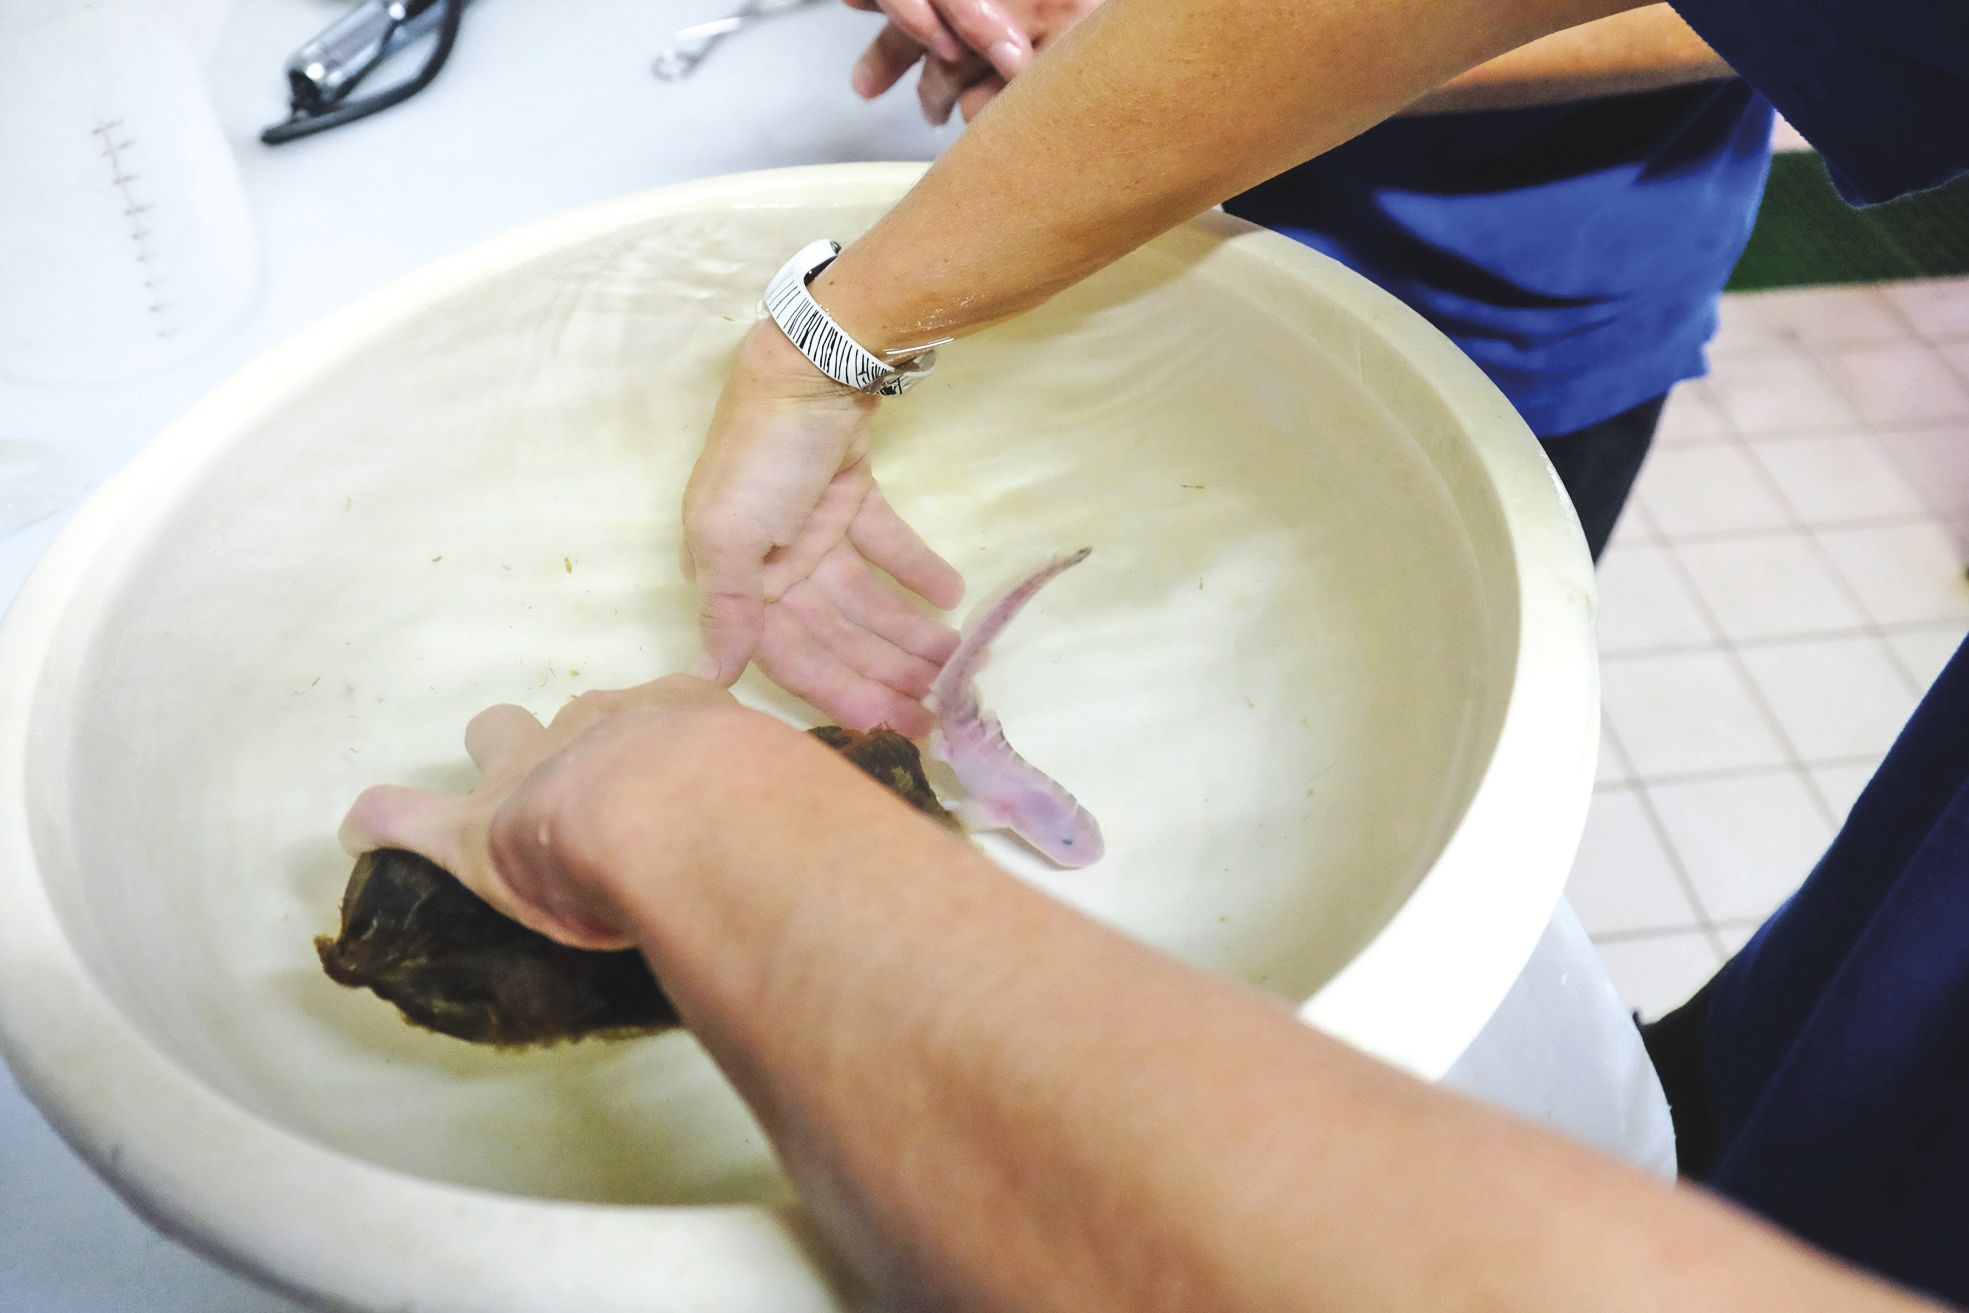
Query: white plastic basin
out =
(1327, 681)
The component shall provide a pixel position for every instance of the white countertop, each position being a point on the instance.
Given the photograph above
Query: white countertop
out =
(545, 107)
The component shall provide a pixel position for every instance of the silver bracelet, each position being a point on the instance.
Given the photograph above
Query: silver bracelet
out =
(825, 342)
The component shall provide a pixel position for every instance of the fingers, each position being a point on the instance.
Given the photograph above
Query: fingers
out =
(978, 95)
(986, 27)
(499, 732)
(922, 21)
(891, 54)
(942, 82)
(419, 820)
(862, 651)
(672, 691)
(677, 691)
(878, 533)
(799, 664)
(866, 601)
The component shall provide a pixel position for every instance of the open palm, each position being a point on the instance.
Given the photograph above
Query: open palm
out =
(785, 530)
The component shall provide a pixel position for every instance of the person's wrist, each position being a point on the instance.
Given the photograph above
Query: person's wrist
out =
(767, 353)
(844, 346)
(878, 325)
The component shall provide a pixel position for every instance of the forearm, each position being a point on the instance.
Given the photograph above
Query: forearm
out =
(1148, 113)
(1641, 50)
(999, 1104)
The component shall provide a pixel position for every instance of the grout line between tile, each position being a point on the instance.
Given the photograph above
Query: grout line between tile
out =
(1795, 763)
(1700, 440)
(1906, 670)
(1865, 629)
(1671, 778)
(1671, 548)
(1676, 866)
(1651, 932)
(1816, 358)
(1642, 796)
(1894, 311)
(1645, 518)
(1898, 520)
(1961, 371)
(1871, 627)
(1916, 478)
(1785, 639)
(1894, 627)
(1616, 747)
(1803, 428)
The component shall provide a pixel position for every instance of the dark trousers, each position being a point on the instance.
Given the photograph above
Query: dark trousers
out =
(1599, 463)
(1821, 1078)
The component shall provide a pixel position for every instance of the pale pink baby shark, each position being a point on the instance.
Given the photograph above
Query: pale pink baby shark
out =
(1006, 791)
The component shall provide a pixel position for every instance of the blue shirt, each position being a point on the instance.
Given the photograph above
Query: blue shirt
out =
(1575, 252)
(1879, 87)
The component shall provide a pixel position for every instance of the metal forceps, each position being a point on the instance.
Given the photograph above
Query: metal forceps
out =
(691, 44)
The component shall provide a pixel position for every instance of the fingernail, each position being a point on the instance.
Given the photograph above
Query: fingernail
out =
(706, 668)
(1007, 58)
(863, 78)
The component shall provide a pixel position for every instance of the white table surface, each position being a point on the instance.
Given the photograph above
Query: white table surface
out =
(545, 107)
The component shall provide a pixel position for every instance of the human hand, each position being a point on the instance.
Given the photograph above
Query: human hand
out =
(784, 529)
(535, 835)
(969, 48)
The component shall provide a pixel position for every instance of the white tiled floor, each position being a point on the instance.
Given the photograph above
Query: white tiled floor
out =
(1787, 582)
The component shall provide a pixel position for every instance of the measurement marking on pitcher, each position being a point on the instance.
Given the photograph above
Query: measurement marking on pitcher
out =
(107, 132)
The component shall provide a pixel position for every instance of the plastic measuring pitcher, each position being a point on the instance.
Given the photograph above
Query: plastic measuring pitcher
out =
(125, 243)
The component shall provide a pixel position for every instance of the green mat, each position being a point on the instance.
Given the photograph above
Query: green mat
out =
(1805, 235)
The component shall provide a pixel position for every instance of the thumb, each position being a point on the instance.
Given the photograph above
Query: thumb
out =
(986, 27)
(421, 821)
(731, 612)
